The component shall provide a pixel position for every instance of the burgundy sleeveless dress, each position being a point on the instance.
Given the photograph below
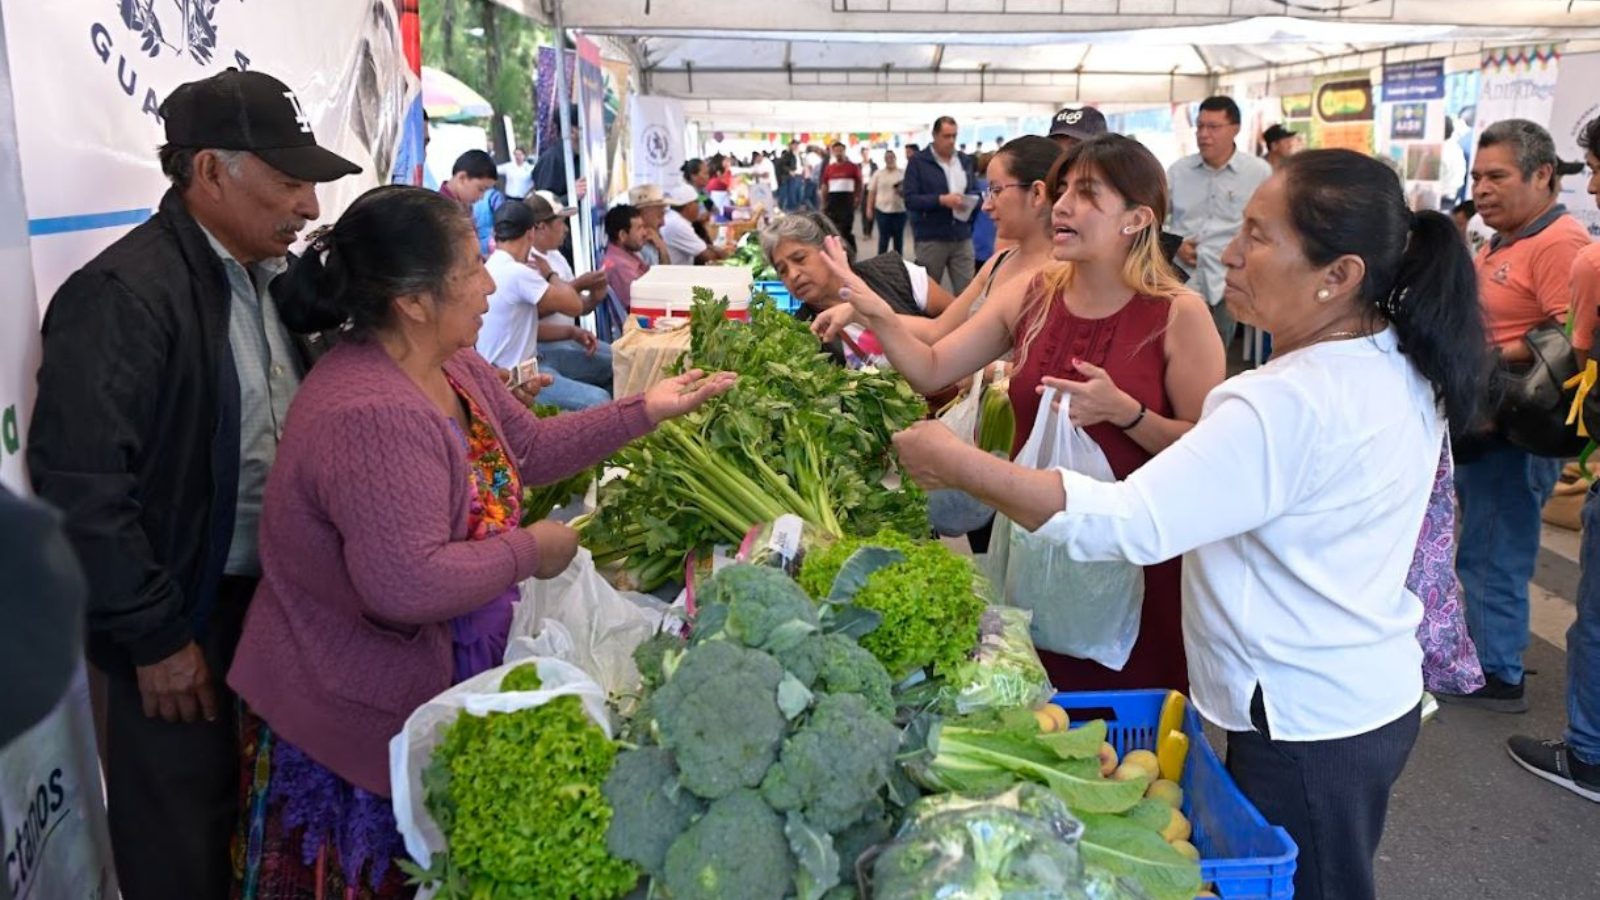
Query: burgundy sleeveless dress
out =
(1129, 346)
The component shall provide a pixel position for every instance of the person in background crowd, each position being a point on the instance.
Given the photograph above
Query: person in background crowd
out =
(391, 529)
(625, 241)
(941, 190)
(551, 169)
(684, 245)
(652, 206)
(1463, 214)
(579, 357)
(515, 327)
(1574, 762)
(518, 175)
(886, 203)
(795, 246)
(1072, 125)
(1452, 169)
(765, 172)
(1209, 190)
(1132, 345)
(483, 217)
(840, 193)
(471, 177)
(721, 174)
(1281, 144)
(42, 606)
(869, 169)
(697, 175)
(163, 389)
(983, 231)
(1296, 500)
(790, 180)
(815, 162)
(911, 150)
(1524, 280)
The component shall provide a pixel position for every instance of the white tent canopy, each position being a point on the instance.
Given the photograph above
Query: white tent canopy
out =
(842, 55)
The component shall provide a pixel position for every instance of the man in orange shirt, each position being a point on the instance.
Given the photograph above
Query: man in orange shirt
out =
(1523, 282)
(1573, 762)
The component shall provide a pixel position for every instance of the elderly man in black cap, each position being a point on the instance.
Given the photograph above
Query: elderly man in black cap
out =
(1281, 144)
(1076, 123)
(166, 378)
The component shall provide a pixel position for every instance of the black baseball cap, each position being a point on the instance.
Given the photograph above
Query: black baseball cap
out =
(252, 111)
(513, 219)
(1275, 134)
(1083, 123)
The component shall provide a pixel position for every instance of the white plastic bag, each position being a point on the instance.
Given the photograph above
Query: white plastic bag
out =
(412, 749)
(953, 513)
(1089, 610)
(579, 617)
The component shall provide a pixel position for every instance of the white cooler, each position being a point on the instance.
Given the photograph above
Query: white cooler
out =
(667, 292)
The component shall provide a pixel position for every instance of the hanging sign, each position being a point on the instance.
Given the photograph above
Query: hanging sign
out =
(1423, 80)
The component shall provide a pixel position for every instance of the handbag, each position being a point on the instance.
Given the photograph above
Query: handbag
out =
(1089, 610)
(1449, 658)
(1535, 401)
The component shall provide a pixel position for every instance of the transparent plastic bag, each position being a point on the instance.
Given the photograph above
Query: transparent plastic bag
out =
(1088, 610)
(953, 513)
(1005, 672)
(579, 617)
(411, 750)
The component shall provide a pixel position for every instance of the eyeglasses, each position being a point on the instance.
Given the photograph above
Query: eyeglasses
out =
(995, 190)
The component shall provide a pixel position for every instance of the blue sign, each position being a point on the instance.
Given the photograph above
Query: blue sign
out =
(1409, 122)
(1422, 80)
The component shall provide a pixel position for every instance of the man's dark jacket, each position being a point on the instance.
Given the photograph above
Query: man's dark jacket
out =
(925, 181)
(135, 434)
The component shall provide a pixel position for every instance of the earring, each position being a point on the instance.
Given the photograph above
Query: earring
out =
(1129, 230)
(1323, 294)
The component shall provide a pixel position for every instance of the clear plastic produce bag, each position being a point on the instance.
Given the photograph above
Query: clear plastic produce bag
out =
(1089, 610)
(411, 750)
(953, 513)
(579, 617)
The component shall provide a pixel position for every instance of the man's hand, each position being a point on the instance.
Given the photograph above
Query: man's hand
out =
(950, 201)
(585, 340)
(582, 188)
(589, 281)
(540, 266)
(178, 688)
(1189, 253)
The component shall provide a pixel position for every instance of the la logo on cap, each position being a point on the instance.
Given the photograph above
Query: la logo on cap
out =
(299, 112)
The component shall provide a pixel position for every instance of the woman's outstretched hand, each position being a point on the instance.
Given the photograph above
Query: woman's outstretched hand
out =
(672, 397)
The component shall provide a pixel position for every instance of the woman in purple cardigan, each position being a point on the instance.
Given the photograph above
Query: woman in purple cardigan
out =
(390, 546)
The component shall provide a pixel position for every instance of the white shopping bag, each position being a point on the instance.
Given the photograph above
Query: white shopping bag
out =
(1089, 610)
(411, 750)
(953, 513)
(579, 617)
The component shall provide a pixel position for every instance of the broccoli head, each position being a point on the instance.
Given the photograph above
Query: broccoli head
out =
(737, 849)
(650, 656)
(719, 715)
(835, 664)
(764, 605)
(833, 767)
(648, 808)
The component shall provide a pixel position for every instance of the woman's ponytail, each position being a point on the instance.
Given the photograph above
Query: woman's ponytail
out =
(310, 293)
(1434, 308)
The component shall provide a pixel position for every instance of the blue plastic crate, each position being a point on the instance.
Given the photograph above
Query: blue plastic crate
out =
(1240, 852)
(779, 294)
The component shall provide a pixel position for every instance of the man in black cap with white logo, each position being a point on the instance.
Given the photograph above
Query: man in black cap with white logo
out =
(1074, 124)
(165, 382)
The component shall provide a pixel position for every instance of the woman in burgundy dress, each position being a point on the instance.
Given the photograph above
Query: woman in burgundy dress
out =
(1114, 328)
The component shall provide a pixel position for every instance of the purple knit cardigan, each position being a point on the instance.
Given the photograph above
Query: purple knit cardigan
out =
(364, 552)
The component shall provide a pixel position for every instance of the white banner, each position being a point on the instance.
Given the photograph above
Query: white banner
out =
(97, 71)
(1518, 83)
(657, 124)
(1575, 106)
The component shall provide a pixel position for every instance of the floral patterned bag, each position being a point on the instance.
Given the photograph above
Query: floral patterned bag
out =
(1449, 659)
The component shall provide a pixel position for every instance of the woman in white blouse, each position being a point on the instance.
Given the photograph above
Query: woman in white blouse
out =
(1296, 500)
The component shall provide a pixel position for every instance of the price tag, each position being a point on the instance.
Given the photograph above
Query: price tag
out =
(787, 531)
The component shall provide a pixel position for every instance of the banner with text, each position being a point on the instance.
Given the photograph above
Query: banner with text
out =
(1342, 112)
(1574, 106)
(1517, 83)
(345, 60)
(657, 124)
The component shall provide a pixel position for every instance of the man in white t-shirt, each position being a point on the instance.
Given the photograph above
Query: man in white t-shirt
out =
(512, 330)
(518, 175)
(684, 246)
(581, 360)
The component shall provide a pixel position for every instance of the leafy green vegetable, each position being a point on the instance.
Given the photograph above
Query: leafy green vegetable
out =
(929, 599)
(1124, 847)
(814, 852)
(518, 797)
(1004, 672)
(796, 435)
(965, 758)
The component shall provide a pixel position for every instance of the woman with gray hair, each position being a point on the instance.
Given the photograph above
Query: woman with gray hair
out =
(793, 245)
